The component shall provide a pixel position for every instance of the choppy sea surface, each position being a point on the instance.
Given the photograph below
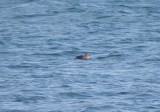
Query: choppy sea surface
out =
(39, 40)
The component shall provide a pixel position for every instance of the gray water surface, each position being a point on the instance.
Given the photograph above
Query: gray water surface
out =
(39, 40)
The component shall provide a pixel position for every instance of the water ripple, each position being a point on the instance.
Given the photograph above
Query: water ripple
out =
(39, 40)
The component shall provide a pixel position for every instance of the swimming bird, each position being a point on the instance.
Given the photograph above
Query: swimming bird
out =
(84, 57)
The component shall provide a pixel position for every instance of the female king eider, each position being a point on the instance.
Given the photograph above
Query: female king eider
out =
(84, 57)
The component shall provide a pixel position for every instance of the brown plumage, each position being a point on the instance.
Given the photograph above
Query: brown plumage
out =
(84, 57)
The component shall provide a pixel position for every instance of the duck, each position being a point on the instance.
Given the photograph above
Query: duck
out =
(86, 56)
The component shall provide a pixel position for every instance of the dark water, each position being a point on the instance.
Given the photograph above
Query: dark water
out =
(39, 40)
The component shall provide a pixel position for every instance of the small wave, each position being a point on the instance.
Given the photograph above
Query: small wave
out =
(126, 41)
(25, 65)
(65, 86)
(46, 54)
(74, 9)
(154, 39)
(152, 59)
(74, 95)
(2, 43)
(123, 93)
(112, 55)
(18, 66)
(7, 2)
(13, 110)
(152, 107)
(103, 17)
(29, 99)
(101, 57)
(98, 108)
(55, 111)
(42, 76)
(126, 6)
(141, 95)
(115, 55)
(31, 16)
(139, 48)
